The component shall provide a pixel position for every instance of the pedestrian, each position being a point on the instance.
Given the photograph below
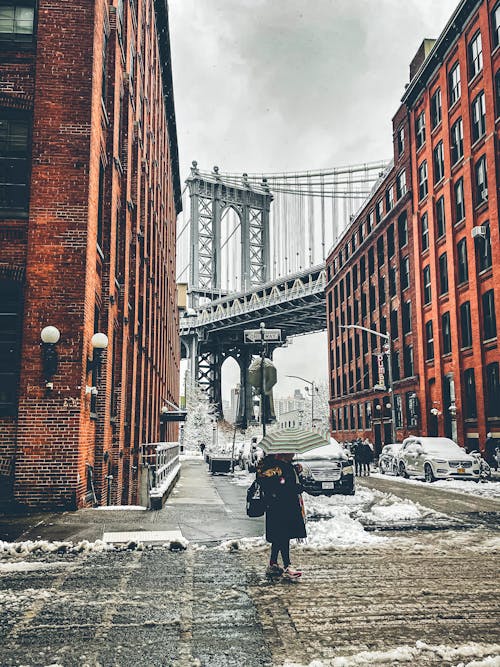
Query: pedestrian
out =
(367, 457)
(490, 451)
(285, 516)
(357, 452)
(202, 447)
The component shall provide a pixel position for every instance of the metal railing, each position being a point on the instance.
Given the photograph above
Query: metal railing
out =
(161, 459)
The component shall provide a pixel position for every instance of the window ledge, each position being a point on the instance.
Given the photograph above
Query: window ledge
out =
(482, 205)
(13, 214)
(459, 224)
(476, 78)
(441, 239)
(478, 143)
(437, 127)
(456, 165)
(455, 105)
(422, 201)
(446, 356)
(439, 184)
(486, 273)
(463, 285)
(467, 351)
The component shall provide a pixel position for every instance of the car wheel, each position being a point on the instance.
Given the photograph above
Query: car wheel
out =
(381, 470)
(402, 470)
(429, 474)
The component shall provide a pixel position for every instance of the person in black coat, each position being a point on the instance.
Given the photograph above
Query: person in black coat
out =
(357, 452)
(490, 447)
(285, 516)
(367, 456)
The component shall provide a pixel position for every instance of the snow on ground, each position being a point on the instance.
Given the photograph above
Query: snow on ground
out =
(242, 478)
(481, 489)
(488, 655)
(39, 547)
(122, 507)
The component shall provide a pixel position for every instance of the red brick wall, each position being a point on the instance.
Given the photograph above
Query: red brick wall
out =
(131, 279)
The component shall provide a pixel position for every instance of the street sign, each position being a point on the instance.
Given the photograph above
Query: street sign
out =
(255, 335)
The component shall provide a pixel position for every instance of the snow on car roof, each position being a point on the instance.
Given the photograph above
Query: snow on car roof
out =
(441, 445)
(331, 451)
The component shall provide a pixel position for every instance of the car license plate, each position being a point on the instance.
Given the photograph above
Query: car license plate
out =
(462, 470)
(328, 485)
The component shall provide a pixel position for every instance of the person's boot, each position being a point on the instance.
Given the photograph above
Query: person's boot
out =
(274, 570)
(291, 573)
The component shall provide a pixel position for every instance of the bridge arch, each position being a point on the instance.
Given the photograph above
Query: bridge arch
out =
(231, 248)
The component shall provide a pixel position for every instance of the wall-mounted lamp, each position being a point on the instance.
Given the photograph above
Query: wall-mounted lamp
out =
(99, 343)
(50, 336)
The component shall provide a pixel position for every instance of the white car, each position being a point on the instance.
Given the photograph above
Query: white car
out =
(388, 459)
(436, 458)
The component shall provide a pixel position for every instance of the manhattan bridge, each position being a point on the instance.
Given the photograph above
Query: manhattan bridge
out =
(252, 249)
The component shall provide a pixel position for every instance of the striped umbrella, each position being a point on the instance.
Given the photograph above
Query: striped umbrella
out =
(291, 440)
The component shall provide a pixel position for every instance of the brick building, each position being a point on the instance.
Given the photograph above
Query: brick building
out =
(370, 286)
(89, 193)
(449, 272)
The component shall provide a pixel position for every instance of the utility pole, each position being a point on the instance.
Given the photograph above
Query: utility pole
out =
(262, 386)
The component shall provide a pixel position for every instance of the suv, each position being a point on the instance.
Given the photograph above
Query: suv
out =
(436, 458)
(327, 470)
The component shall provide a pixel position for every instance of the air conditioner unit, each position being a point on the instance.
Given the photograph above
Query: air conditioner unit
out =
(484, 194)
(479, 230)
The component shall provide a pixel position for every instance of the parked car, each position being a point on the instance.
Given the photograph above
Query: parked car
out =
(436, 458)
(327, 470)
(388, 459)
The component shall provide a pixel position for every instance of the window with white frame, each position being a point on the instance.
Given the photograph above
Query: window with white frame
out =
(457, 141)
(454, 86)
(475, 55)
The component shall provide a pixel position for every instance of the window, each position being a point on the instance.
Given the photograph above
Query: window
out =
(369, 222)
(363, 305)
(408, 361)
(389, 199)
(403, 230)
(14, 161)
(454, 84)
(443, 274)
(392, 281)
(360, 415)
(463, 268)
(405, 273)
(104, 68)
(481, 181)
(424, 231)
(466, 324)
(438, 162)
(10, 345)
(457, 141)
(401, 184)
(379, 211)
(371, 261)
(401, 140)
(407, 317)
(420, 130)
(478, 117)
(436, 108)
(381, 290)
(483, 249)
(492, 390)
(495, 25)
(373, 303)
(429, 341)
(459, 200)
(489, 317)
(394, 324)
(348, 285)
(380, 251)
(470, 407)
(100, 209)
(446, 330)
(355, 277)
(497, 94)
(396, 370)
(390, 241)
(368, 414)
(17, 21)
(427, 285)
(440, 219)
(422, 180)
(475, 55)
(362, 270)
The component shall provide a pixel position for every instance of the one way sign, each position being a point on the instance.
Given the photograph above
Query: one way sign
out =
(259, 335)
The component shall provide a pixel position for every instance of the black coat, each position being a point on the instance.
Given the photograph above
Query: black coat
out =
(284, 510)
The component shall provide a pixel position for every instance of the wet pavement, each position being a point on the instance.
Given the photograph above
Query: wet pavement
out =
(427, 594)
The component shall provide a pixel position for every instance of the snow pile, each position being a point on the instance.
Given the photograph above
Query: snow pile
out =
(482, 489)
(340, 531)
(242, 544)
(369, 506)
(191, 456)
(45, 547)
(242, 478)
(416, 654)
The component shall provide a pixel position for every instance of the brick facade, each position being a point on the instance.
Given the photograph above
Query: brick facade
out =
(453, 277)
(95, 249)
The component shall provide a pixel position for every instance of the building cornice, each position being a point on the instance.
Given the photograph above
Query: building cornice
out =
(163, 34)
(446, 40)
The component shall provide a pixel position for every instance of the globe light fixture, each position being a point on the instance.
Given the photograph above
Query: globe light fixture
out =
(99, 343)
(50, 336)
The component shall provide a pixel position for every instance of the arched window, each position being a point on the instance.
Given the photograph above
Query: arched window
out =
(10, 345)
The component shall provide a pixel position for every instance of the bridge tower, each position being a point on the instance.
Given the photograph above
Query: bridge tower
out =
(211, 195)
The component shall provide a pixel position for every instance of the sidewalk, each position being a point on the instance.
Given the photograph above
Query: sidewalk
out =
(195, 511)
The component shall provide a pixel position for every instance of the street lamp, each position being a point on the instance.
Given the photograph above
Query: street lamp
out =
(387, 350)
(314, 389)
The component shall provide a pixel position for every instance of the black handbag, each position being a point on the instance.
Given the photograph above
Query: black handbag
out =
(255, 500)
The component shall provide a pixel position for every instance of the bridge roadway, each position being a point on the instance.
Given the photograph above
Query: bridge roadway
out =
(295, 304)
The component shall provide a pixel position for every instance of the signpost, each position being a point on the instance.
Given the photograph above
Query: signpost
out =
(262, 335)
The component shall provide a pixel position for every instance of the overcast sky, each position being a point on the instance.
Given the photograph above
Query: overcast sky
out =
(282, 85)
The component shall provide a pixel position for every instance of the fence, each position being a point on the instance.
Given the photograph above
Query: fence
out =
(161, 467)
